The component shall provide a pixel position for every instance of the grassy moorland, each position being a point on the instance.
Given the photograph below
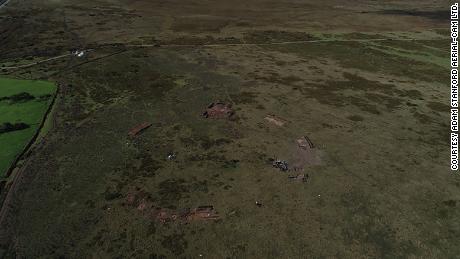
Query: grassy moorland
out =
(22, 106)
(376, 110)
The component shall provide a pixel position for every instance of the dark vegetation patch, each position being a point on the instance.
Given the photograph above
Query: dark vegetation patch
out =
(437, 44)
(159, 85)
(447, 209)
(18, 98)
(199, 186)
(151, 229)
(361, 55)
(282, 80)
(231, 163)
(292, 79)
(433, 136)
(422, 118)
(440, 15)
(117, 79)
(112, 193)
(204, 141)
(194, 40)
(363, 36)
(91, 204)
(143, 165)
(157, 256)
(9, 127)
(147, 163)
(390, 103)
(423, 48)
(451, 203)
(18, 41)
(208, 157)
(443, 32)
(368, 95)
(175, 243)
(368, 227)
(439, 107)
(207, 143)
(238, 250)
(276, 36)
(244, 97)
(170, 191)
(198, 25)
(355, 118)
(188, 142)
(44, 97)
(260, 107)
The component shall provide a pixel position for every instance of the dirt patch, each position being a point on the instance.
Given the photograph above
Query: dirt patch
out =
(142, 202)
(139, 129)
(275, 120)
(218, 110)
(305, 153)
(185, 215)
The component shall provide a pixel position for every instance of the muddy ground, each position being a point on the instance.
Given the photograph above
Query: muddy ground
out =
(376, 110)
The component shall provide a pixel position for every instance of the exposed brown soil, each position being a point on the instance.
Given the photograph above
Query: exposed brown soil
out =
(218, 110)
(141, 201)
(139, 129)
(275, 120)
(305, 154)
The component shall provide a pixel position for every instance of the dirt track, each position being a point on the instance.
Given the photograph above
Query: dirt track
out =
(217, 45)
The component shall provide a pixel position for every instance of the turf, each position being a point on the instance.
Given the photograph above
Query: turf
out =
(30, 112)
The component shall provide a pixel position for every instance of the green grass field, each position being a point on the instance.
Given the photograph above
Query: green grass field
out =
(23, 111)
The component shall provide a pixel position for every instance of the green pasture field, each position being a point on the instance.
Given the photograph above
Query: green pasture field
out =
(30, 112)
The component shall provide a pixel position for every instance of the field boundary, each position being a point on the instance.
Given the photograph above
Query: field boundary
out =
(38, 62)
